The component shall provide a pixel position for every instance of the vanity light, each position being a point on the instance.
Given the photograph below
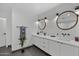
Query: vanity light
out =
(37, 22)
(57, 14)
(77, 10)
(56, 17)
(46, 20)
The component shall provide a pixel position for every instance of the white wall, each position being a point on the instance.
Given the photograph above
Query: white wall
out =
(5, 12)
(52, 28)
(16, 17)
(19, 19)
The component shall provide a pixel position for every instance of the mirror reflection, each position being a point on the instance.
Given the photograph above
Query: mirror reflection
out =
(67, 20)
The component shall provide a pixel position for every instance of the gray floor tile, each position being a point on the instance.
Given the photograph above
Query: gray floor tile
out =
(31, 51)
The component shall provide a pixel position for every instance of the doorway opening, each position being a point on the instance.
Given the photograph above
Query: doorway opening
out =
(3, 37)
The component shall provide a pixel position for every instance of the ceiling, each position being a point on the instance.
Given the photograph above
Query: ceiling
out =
(29, 9)
(33, 9)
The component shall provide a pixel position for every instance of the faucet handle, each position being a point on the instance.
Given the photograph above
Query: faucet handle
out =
(68, 34)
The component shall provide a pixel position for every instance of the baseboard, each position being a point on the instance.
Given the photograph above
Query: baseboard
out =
(42, 50)
(9, 46)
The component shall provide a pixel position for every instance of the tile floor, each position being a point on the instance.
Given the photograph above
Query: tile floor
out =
(31, 51)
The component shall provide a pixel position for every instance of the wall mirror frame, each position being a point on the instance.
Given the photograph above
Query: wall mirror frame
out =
(67, 20)
(42, 24)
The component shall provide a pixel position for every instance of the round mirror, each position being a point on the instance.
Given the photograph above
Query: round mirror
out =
(67, 20)
(42, 24)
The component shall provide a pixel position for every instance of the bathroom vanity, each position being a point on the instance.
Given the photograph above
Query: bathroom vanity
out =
(65, 44)
(56, 47)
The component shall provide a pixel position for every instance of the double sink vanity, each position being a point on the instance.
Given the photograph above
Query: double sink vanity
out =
(55, 46)
(59, 46)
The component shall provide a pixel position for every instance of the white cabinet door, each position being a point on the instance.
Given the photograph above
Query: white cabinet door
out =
(44, 44)
(67, 50)
(36, 41)
(54, 48)
(76, 51)
(33, 39)
(41, 43)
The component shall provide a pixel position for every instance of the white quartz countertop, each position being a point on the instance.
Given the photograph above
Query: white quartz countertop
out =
(71, 42)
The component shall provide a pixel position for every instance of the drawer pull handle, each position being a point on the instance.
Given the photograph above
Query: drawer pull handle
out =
(59, 42)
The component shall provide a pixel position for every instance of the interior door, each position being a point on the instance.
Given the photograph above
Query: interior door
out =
(2, 32)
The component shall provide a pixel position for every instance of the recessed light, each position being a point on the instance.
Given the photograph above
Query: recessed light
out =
(46, 20)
